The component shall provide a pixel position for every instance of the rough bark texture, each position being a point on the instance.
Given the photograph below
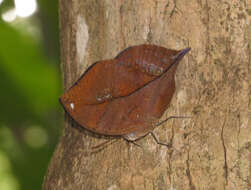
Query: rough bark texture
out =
(212, 150)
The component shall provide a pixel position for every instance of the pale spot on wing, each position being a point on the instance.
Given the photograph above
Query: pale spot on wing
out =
(72, 106)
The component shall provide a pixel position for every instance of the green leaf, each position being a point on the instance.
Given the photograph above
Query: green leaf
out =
(29, 81)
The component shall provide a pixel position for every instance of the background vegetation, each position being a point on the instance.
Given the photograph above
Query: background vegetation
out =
(30, 115)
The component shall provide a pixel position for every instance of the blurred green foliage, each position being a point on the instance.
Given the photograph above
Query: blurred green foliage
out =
(30, 115)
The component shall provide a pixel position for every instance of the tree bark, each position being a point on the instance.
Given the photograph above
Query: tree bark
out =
(212, 150)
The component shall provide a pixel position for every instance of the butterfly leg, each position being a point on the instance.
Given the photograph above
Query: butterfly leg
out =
(133, 142)
(158, 142)
(103, 145)
(172, 117)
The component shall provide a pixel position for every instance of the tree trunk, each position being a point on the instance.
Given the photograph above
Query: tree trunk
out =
(212, 150)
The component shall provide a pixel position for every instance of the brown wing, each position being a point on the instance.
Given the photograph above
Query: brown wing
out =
(100, 101)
